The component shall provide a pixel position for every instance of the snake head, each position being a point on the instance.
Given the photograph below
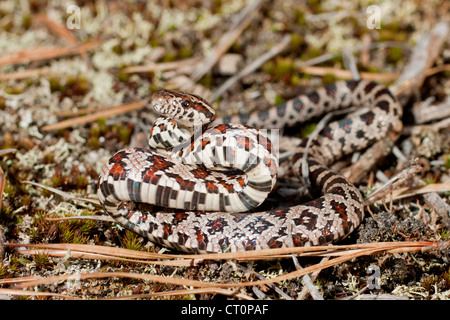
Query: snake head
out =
(187, 109)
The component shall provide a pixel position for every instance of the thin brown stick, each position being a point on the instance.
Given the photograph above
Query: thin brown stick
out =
(58, 29)
(346, 74)
(246, 255)
(422, 58)
(24, 74)
(15, 292)
(95, 116)
(91, 256)
(162, 66)
(202, 284)
(225, 292)
(42, 53)
(244, 18)
(279, 47)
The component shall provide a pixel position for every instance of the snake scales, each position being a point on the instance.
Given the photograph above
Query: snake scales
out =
(137, 187)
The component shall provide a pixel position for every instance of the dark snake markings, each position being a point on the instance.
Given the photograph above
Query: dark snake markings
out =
(137, 187)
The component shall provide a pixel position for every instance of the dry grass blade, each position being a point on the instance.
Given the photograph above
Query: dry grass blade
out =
(243, 20)
(101, 250)
(346, 74)
(95, 217)
(400, 178)
(84, 255)
(253, 66)
(24, 74)
(413, 191)
(164, 66)
(341, 250)
(36, 294)
(422, 58)
(270, 253)
(2, 174)
(7, 150)
(61, 193)
(43, 53)
(58, 29)
(18, 280)
(130, 275)
(95, 116)
(225, 292)
(201, 284)
(2, 185)
(365, 249)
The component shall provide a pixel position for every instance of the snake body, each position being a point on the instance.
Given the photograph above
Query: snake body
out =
(189, 191)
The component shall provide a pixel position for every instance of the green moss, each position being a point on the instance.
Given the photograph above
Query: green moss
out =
(87, 226)
(387, 33)
(306, 130)
(447, 161)
(315, 6)
(446, 278)
(102, 124)
(123, 77)
(296, 42)
(41, 260)
(295, 79)
(93, 142)
(69, 232)
(281, 69)
(328, 79)
(118, 49)
(55, 84)
(430, 179)
(300, 17)
(445, 234)
(185, 53)
(125, 134)
(4, 273)
(2, 103)
(169, 57)
(77, 85)
(278, 100)
(132, 241)
(311, 53)
(7, 25)
(26, 21)
(428, 282)
(7, 215)
(269, 67)
(395, 54)
(284, 66)
(14, 89)
(206, 81)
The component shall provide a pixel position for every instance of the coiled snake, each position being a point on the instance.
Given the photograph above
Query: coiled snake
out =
(139, 187)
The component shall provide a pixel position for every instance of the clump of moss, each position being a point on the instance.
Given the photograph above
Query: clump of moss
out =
(4, 272)
(395, 55)
(281, 69)
(132, 241)
(123, 133)
(328, 79)
(447, 161)
(26, 21)
(71, 87)
(76, 231)
(300, 17)
(74, 180)
(14, 89)
(41, 260)
(2, 103)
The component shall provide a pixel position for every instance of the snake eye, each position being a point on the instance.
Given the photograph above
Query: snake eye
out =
(186, 103)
